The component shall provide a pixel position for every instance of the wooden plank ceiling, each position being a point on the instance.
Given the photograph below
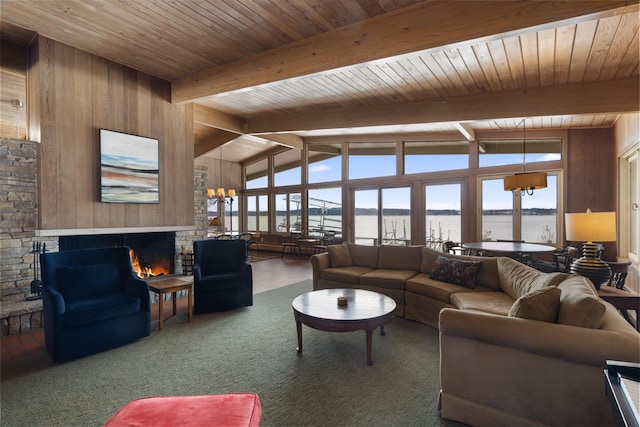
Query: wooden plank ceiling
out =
(275, 72)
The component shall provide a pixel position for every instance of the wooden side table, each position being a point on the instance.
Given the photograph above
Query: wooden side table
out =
(622, 300)
(172, 285)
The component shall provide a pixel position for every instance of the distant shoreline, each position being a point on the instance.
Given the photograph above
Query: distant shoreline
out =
(405, 212)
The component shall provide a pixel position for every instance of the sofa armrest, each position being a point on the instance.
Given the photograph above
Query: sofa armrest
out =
(140, 288)
(319, 262)
(247, 270)
(55, 301)
(571, 343)
(499, 370)
(197, 273)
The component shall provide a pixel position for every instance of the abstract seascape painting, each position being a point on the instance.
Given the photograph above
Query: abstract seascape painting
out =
(128, 168)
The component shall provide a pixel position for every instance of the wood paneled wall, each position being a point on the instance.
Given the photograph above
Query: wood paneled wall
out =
(72, 95)
(627, 132)
(591, 171)
(13, 85)
(591, 175)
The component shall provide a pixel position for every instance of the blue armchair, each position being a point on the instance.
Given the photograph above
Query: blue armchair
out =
(92, 302)
(222, 275)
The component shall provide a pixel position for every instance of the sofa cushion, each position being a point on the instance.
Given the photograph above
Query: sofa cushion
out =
(364, 256)
(541, 304)
(456, 271)
(385, 278)
(400, 257)
(344, 274)
(494, 302)
(517, 279)
(87, 280)
(423, 284)
(339, 255)
(487, 276)
(579, 303)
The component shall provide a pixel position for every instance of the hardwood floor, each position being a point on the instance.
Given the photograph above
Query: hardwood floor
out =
(268, 274)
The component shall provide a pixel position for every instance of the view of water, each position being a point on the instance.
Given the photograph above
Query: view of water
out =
(445, 227)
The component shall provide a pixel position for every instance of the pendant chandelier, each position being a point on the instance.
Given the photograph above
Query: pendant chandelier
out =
(525, 182)
(220, 196)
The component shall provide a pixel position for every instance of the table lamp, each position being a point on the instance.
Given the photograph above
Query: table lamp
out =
(589, 227)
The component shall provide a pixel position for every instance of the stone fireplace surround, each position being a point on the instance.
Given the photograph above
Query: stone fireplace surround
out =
(18, 233)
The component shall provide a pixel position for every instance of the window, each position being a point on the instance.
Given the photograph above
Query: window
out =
(540, 214)
(256, 174)
(257, 213)
(443, 218)
(532, 218)
(369, 160)
(629, 234)
(509, 152)
(288, 214)
(497, 211)
(393, 227)
(365, 224)
(396, 216)
(422, 157)
(325, 162)
(635, 211)
(325, 210)
(286, 168)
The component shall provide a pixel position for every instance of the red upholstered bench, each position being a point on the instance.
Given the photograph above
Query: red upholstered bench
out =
(234, 409)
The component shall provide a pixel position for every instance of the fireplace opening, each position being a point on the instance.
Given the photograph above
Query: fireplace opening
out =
(152, 254)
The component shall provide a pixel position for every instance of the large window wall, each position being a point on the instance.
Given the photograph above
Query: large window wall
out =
(408, 191)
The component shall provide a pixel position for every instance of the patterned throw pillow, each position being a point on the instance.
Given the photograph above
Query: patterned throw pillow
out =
(456, 271)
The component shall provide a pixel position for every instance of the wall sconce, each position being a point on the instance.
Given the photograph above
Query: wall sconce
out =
(18, 104)
(524, 183)
(589, 227)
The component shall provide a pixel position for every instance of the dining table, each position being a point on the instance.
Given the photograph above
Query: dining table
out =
(508, 247)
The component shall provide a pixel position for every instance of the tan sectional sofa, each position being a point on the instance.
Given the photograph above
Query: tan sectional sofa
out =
(518, 346)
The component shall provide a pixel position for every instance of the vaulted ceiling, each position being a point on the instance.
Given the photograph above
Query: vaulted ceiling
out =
(275, 72)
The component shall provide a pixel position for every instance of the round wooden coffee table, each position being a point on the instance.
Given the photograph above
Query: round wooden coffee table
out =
(364, 310)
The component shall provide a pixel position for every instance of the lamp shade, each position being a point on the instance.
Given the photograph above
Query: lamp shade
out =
(221, 192)
(590, 226)
(525, 181)
(210, 193)
(232, 192)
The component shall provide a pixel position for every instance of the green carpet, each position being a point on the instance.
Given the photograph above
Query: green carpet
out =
(253, 350)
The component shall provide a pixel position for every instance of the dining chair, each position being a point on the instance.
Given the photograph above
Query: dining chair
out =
(247, 237)
(290, 244)
(326, 240)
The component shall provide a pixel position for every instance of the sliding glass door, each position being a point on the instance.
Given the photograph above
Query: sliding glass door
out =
(382, 216)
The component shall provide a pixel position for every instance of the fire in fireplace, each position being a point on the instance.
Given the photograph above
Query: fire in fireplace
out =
(152, 254)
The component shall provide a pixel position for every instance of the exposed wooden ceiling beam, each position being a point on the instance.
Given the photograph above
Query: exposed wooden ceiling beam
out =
(423, 26)
(213, 141)
(285, 139)
(217, 119)
(466, 130)
(614, 96)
